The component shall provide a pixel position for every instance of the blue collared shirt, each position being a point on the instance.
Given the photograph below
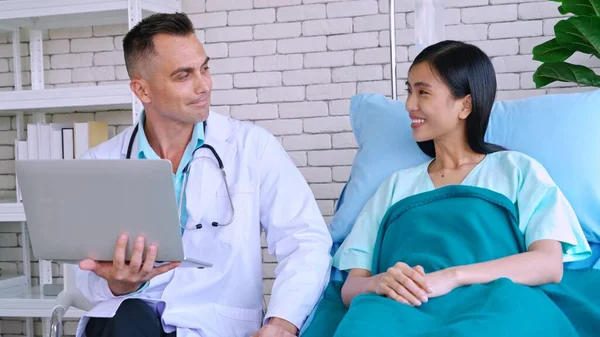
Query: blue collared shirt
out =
(146, 152)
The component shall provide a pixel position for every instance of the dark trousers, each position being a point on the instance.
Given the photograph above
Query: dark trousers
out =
(134, 318)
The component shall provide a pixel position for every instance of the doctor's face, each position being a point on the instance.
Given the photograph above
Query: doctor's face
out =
(434, 112)
(178, 79)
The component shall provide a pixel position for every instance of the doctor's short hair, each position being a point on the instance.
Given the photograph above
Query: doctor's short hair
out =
(138, 44)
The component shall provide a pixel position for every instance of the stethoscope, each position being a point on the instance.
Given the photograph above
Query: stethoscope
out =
(186, 171)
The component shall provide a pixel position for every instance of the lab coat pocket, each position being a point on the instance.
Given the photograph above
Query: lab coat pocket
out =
(236, 214)
(238, 322)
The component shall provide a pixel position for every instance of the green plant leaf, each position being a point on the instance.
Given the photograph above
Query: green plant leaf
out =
(580, 34)
(580, 7)
(551, 51)
(565, 72)
(562, 10)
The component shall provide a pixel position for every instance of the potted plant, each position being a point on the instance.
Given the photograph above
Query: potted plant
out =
(578, 33)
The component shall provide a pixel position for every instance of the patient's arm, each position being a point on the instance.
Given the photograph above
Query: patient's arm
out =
(400, 282)
(358, 282)
(542, 264)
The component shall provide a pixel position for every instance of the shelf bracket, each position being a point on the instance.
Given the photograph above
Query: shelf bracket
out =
(136, 108)
(134, 12)
(177, 5)
(26, 256)
(36, 53)
(45, 272)
(393, 61)
(27, 271)
(16, 44)
(18, 76)
(135, 15)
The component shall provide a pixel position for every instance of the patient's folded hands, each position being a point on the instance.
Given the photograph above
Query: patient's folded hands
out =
(404, 284)
(442, 282)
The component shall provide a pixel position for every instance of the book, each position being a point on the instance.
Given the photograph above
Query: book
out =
(87, 135)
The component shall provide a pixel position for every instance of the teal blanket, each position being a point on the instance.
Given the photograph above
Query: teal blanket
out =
(458, 225)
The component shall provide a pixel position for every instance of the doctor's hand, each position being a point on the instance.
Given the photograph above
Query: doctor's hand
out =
(126, 278)
(277, 327)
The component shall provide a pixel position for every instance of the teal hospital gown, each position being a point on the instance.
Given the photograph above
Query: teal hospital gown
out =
(544, 212)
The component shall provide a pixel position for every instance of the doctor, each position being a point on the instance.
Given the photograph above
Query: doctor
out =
(221, 216)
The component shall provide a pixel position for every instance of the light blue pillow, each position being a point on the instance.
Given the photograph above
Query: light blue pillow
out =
(382, 130)
(559, 131)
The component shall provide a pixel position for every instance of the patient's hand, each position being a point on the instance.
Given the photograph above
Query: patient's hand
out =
(442, 282)
(125, 278)
(403, 284)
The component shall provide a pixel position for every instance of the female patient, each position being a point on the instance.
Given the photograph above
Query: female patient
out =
(451, 89)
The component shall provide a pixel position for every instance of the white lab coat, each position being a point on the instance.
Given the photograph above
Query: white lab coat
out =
(268, 191)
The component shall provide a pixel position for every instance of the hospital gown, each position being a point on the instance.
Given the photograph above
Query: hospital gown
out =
(544, 212)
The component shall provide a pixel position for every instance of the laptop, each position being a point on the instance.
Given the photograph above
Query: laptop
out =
(76, 209)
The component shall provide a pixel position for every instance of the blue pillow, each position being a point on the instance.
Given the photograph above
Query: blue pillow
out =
(385, 145)
(560, 131)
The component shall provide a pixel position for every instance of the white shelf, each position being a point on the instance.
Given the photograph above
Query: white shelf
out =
(24, 301)
(11, 212)
(117, 96)
(11, 281)
(49, 14)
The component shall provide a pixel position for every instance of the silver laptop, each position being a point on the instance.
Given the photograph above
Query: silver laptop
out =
(75, 209)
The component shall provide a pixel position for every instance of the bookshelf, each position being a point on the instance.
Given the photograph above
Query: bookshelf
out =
(18, 298)
(66, 99)
(51, 14)
(11, 212)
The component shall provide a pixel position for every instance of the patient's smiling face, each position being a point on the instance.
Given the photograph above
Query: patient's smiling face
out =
(434, 112)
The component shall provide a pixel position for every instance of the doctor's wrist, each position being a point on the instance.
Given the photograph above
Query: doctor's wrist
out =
(284, 324)
(119, 288)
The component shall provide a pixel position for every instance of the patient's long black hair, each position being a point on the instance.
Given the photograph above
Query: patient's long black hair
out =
(465, 69)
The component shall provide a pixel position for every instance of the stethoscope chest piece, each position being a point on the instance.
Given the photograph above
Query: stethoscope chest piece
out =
(186, 173)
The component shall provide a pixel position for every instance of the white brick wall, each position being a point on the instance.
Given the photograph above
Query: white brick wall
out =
(277, 30)
(489, 14)
(290, 66)
(327, 27)
(301, 13)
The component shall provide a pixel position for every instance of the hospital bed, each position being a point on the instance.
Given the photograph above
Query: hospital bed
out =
(557, 130)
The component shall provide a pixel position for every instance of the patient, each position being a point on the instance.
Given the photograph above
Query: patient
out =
(451, 89)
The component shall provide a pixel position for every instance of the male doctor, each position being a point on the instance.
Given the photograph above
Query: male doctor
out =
(169, 73)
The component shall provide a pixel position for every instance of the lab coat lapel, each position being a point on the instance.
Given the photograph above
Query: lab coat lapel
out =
(205, 176)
